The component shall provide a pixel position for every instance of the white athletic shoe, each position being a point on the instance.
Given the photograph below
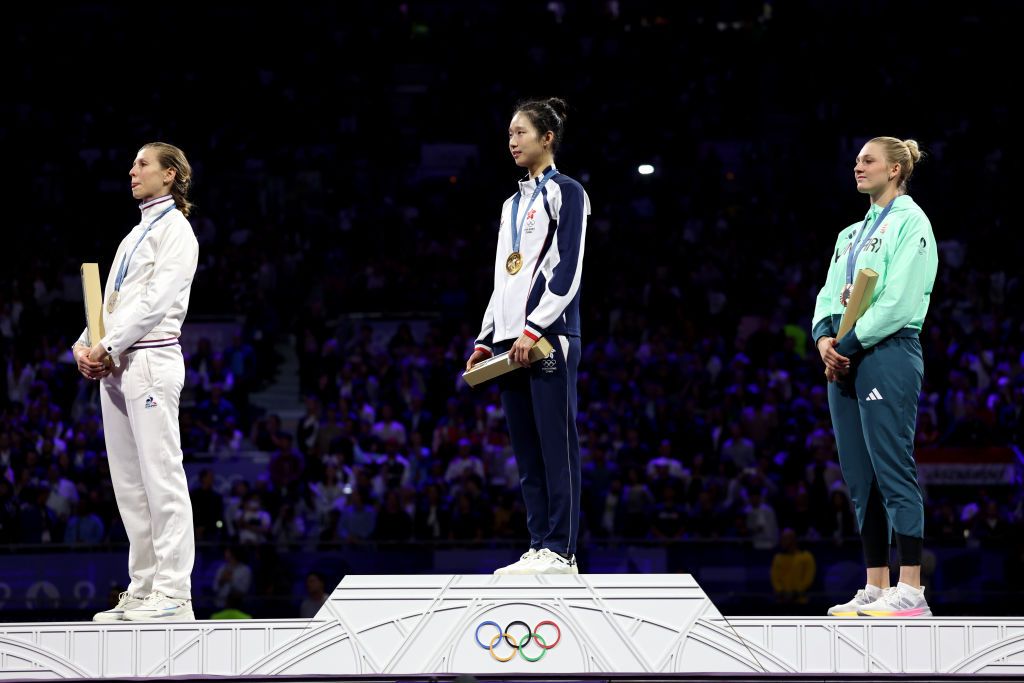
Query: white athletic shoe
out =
(159, 607)
(864, 596)
(548, 562)
(902, 600)
(125, 602)
(514, 568)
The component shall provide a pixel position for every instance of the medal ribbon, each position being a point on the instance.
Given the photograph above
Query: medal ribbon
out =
(127, 258)
(517, 231)
(861, 238)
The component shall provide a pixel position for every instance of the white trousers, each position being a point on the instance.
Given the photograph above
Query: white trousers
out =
(140, 424)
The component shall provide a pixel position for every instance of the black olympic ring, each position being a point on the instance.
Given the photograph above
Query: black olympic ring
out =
(512, 641)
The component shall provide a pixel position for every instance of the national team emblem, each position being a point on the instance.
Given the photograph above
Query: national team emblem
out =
(530, 214)
(150, 402)
(881, 230)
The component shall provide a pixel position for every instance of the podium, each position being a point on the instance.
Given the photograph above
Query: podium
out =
(444, 625)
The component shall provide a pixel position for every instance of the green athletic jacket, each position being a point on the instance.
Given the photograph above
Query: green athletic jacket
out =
(903, 253)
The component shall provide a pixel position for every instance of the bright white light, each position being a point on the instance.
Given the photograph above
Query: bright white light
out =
(645, 169)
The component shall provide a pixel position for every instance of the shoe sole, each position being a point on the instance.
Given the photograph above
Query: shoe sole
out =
(108, 618)
(902, 614)
(843, 614)
(190, 616)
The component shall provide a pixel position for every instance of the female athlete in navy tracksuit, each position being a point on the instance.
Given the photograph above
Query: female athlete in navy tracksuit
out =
(537, 271)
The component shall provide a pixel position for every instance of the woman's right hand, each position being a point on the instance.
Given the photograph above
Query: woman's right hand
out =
(478, 355)
(88, 368)
(835, 363)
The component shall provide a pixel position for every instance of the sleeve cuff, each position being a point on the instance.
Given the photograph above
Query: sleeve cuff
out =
(532, 332)
(823, 328)
(849, 345)
(485, 349)
(115, 355)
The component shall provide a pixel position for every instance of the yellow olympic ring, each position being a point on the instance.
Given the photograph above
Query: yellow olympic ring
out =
(495, 639)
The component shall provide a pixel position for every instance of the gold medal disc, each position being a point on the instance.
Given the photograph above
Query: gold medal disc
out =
(514, 263)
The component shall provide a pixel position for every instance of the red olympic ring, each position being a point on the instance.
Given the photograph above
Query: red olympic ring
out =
(557, 630)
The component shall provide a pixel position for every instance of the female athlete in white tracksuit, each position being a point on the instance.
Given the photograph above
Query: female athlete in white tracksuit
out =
(537, 272)
(141, 370)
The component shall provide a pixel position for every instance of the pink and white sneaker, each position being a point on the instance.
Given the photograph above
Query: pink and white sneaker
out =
(901, 600)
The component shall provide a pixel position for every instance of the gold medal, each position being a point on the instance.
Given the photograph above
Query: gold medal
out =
(112, 301)
(514, 263)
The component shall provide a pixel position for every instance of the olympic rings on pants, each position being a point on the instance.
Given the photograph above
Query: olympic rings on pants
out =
(515, 643)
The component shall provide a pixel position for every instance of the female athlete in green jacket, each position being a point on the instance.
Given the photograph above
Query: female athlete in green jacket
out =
(875, 373)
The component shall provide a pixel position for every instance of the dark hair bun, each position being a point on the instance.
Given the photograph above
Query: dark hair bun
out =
(560, 107)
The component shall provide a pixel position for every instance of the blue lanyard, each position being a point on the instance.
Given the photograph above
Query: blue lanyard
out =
(517, 231)
(127, 258)
(862, 238)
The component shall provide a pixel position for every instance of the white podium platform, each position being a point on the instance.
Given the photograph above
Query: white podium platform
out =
(446, 625)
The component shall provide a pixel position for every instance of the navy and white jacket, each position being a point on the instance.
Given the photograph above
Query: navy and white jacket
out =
(543, 298)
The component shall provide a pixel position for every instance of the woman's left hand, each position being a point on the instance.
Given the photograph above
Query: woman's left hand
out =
(520, 351)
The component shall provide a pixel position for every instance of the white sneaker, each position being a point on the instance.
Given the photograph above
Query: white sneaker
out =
(548, 562)
(159, 607)
(902, 600)
(865, 595)
(514, 568)
(125, 602)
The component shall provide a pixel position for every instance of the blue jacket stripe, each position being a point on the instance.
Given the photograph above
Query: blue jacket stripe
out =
(570, 231)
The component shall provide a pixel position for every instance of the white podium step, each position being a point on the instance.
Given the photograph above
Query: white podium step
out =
(445, 625)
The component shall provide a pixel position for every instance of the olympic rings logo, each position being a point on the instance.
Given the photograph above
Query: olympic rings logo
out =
(516, 644)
